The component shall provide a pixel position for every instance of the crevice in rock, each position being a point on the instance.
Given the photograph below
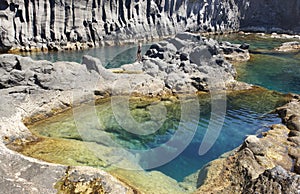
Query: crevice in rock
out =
(52, 19)
(127, 5)
(18, 66)
(26, 10)
(121, 12)
(38, 83)
(2, 86)
(34, 18)
(103, 14)
(92, 31)
(73, 13)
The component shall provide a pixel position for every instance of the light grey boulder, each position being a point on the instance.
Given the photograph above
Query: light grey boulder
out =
(95, 64)
(197, 65)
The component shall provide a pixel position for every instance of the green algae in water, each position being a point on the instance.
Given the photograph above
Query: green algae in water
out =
(268, 68)
(280, 72)
(246, 114)
(258, 42)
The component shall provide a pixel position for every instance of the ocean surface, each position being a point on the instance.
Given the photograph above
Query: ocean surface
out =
(246, 112)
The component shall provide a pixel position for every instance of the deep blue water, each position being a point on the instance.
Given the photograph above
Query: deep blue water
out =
(245, 115)
(246, 112)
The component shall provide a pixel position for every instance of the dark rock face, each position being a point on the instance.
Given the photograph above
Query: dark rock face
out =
(270, 16)
(276, 180)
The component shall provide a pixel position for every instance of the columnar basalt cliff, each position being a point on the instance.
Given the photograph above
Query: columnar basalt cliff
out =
(68, 24)
(56, 24)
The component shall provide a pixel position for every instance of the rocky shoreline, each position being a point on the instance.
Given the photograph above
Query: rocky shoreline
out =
(260, 165)
(33, 90)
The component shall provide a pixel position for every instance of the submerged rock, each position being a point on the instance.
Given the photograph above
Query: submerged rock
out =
(34, 90)
(289, 47)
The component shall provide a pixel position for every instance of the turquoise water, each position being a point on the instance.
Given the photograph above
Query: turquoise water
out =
(111, 56)
(268, 68)
(245, 115)
(278, 72)
(246, 112)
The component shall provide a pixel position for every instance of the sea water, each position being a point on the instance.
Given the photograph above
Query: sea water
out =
(247, 112)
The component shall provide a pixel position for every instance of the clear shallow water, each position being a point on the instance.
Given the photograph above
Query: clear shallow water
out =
(246, 112)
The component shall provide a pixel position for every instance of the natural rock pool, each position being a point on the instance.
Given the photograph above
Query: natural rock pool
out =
(247, 112)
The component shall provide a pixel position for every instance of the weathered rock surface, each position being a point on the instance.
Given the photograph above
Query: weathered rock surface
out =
(186, 63)
(189, 63)
(235, 52)
(20, 174)
(261, 165)
(183, 64)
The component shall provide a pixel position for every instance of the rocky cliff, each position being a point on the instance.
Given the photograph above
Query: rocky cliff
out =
(270, 16)
(68, 24)
(53, 24)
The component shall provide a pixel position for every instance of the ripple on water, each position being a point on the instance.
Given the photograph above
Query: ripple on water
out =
(246, 114)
